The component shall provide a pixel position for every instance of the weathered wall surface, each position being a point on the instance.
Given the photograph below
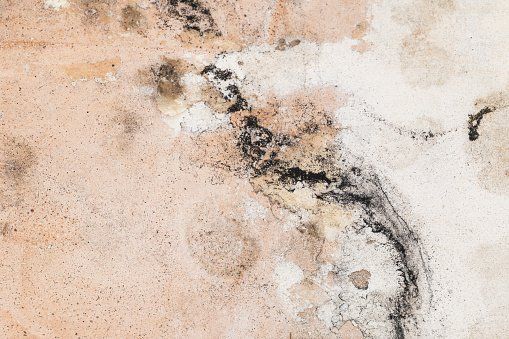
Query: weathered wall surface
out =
(254, 169)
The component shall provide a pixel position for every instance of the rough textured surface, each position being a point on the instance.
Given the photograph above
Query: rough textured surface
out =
(254, 169)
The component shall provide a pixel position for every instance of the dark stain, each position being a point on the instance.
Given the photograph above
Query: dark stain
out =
(18, 159)
(129, 122)
(310, 229)
(191, 13)
(379, 214)
(232, 92)
(347, 185)
(360, 279)
(295, 174)
(167, 76)
(354, 187)
(132, 18)
(5, 229)
(282, 44)
(474, 120)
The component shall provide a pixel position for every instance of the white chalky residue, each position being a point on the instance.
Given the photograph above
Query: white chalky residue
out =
(56, 4)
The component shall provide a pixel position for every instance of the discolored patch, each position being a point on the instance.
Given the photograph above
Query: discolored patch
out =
(191, 13)
(132, 19)
(424, 63)
(288, 151)
(167, 77)
(222, 247)
(96, 13)
(360, 279)
(90, 70)
(488, 147)
(17, 159)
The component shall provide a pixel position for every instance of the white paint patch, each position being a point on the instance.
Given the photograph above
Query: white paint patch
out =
(56, 4)
(286, 275)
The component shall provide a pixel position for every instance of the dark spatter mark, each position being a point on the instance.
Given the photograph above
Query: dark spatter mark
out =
(168, 80)
(217, 73)
(474, 120)
(191, 13)
(296, 174)
(354, 187)
(231, 92)
(131, 18)
(380, 216)
(254, 139)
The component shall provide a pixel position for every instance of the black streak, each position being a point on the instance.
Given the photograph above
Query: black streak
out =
(474, 120)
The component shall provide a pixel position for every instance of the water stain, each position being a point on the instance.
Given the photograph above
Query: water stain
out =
(488, 147)
(423, 62)
(360, 279)
(222, 247)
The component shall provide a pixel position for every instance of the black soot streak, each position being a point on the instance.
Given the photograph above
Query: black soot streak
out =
(355, 187)
(474, 120)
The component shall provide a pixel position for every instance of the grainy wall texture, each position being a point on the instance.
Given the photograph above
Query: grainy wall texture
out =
(254, 169)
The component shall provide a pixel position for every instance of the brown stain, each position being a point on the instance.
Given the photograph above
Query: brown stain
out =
(490, 151)
(96, 13)
(18, 157)
(223, 248)
(319, 21)
(167, 77)
(90, 70)
(360, 279)
(132, 19)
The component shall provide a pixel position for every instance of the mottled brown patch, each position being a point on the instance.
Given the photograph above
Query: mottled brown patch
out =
(132, 19)
(167, 77)
(96, 13)
(222, 247)
(360, 279)
(17, 159)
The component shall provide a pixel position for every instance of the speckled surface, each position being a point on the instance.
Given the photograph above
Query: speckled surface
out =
(254, 169)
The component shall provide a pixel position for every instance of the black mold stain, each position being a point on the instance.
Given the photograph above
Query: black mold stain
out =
(366, 191)
(191, 13)
(168, 79)
(355, 187)
(296, 174)
(474, 120)
(231, 92)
